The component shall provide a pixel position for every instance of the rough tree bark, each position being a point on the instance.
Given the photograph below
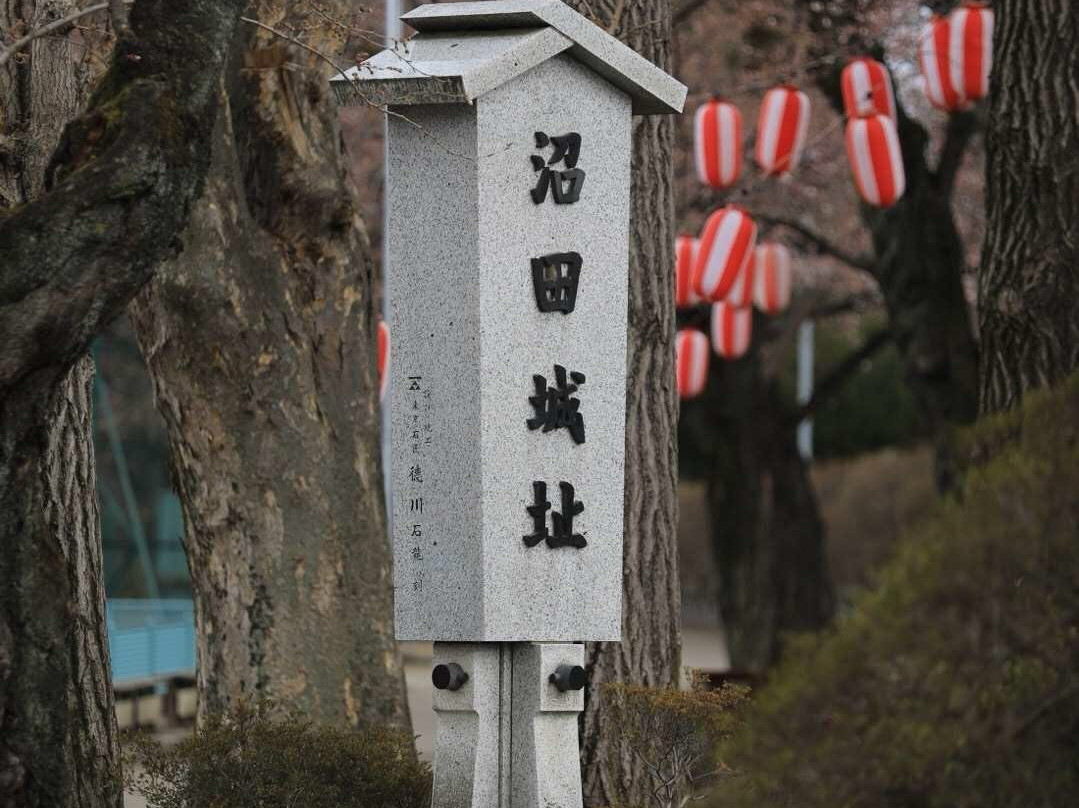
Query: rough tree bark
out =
(58, 734)
(1029, 277)
(119, 187)
(259, 339)
(919, 266)
(767, 534)
(650, 651)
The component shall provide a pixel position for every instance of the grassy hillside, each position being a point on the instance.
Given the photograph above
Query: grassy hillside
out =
(955, 682)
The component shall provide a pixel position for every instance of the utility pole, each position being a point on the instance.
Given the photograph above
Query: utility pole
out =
(393, 30)
(805, 386)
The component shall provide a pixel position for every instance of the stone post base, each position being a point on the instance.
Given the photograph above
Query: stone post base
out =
(507, 725)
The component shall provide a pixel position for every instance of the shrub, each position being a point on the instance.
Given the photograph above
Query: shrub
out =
(674, 733)
(252, 758)
(956, 681)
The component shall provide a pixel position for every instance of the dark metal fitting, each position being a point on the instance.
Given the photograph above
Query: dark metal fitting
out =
(568, 677)
(450, 676)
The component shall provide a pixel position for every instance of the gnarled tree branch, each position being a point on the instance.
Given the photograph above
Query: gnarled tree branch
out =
(857, 261)
(122, 183)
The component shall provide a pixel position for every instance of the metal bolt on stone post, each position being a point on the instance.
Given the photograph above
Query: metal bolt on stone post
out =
(507, 248)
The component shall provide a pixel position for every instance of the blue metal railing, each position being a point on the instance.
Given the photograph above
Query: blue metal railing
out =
(150, 638)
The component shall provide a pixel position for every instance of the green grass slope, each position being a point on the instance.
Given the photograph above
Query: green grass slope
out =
(955, 682)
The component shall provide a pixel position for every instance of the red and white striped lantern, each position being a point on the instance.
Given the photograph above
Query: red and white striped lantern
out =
(933, 55)
(383, 357)
(685, 255)
(691, 362)
(867, 89)
(741, 292)
(717, 143)
(781, 130)
(723, 252)
(970, 50)
(731, 329)
(772, 278)
(876, 160)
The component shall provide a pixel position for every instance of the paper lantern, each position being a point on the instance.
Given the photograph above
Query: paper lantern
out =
(741, 292)
(723, 252)
(383, 357)
(685, 254)
(731, 328)
(691, 362)
(876, 159)
(781, 130)
(867, 89)
(772, 278)
(970, 50)
(933, 50)
(717, 143)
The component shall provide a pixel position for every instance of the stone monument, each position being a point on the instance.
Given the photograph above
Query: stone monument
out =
(507, 245)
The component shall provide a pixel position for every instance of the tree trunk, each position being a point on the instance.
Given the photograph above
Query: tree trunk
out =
(650, 651)
(768, 537)
(920, 268)
(260, 343)
(1029, 277)
(919, 256)
(58, 734)
(120, 184)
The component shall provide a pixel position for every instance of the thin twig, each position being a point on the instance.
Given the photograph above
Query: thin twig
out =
(616, 18)
(53, 27)
(354, 85)
(1032, 718)
(314, 51)
(861, 262)
(365, 34)
(838, 376)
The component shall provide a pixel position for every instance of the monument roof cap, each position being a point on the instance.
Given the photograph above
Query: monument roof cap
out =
(464, 50)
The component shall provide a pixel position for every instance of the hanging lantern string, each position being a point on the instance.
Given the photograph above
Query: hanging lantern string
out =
(800, 71)
(759, 180)
(766, 84)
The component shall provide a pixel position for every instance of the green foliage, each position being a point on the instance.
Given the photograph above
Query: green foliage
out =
(675, 733)
(874, 409)
(251, 758)
(956, 681)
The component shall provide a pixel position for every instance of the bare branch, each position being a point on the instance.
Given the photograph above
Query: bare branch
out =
(1043, 709)
(56, 26)
(299, 43)
(834, 380)
(863, 262)
(846, 305)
